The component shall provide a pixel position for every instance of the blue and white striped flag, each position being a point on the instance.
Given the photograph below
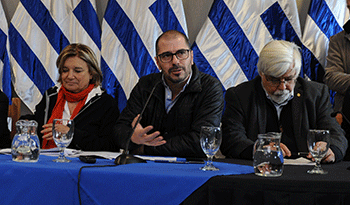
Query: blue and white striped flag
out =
(129, 32)
(325, 19)
(39, 30)
(229, 43)
(5, 68)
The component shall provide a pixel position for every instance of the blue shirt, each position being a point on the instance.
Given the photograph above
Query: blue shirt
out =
(169, 103)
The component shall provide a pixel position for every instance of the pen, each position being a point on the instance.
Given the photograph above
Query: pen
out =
(299, 154)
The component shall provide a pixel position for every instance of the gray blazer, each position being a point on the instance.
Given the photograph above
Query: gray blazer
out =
(245, 116)
(337, 75)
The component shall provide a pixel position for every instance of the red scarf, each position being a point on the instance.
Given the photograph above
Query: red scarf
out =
(57, 112)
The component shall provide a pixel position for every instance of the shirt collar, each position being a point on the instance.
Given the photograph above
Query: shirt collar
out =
(167, 87)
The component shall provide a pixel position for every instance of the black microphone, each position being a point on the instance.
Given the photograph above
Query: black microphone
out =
(333, 114)
(125, 157)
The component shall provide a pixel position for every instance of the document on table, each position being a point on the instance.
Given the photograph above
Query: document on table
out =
(54, 152)
(299, 161)
(5, 151)
(111, 155)
(158, 158)
(76, 153)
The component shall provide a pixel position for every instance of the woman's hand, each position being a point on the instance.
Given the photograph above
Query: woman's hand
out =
(47, 131)
(64, 129)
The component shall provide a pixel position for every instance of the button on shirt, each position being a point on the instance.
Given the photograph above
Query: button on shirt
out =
(169, 103)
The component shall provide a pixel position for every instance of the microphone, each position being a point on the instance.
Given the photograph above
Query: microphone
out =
(125, 157)
(333, 114)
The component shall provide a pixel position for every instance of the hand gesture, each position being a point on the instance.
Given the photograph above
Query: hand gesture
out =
(140, 135)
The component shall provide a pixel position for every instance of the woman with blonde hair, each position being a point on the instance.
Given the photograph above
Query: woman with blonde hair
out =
(79, 96)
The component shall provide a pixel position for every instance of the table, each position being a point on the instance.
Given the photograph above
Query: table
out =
(47, 182)
(295, 186)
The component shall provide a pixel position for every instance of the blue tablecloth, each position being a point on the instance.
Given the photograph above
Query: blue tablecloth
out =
(47, 182)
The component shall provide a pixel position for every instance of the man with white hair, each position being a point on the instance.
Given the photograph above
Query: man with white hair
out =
(279, 101)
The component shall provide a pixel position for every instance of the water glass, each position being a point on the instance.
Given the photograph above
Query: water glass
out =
(318, 144)
(210, 140)
(62, 133)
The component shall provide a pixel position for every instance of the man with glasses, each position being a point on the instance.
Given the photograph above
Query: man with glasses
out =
(182, 100)
(279, 101)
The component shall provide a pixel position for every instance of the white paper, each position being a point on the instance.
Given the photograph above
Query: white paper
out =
(103, 154)
(158, 158)
(5, 151)
(299, 161)
(73, 153)
(112, 155)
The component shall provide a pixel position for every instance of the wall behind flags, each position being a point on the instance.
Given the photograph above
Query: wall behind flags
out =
(196, 12)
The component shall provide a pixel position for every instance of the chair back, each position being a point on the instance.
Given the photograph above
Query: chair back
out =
(14, 114)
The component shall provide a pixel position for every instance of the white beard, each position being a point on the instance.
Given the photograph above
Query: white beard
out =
(280, 96)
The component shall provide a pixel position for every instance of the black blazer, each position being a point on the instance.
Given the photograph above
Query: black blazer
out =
(245, 116)
(94, 125)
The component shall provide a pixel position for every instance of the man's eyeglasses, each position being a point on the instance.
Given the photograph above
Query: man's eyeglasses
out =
(181, 54)
(277, 81)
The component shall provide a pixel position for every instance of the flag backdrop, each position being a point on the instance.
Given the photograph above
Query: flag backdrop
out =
(325, 18)
(232, 37)
(129, 32)
(5, 68)
(226, 47)
(39, 30)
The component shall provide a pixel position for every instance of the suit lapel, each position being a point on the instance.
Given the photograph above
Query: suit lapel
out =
(297, 111)
(261, 107)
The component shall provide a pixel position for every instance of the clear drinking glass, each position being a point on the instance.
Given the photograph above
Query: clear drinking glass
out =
(62, 133)
(318, 144)
(210, 139)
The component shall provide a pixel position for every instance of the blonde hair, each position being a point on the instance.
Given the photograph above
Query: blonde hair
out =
(86, 54)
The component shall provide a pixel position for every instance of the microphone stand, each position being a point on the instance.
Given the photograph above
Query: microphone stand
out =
(125, 157)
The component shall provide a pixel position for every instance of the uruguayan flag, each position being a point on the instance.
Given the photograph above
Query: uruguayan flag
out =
(39, 30)
(5, 68)
(229, 43)
(129, 31)
(325, 19)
